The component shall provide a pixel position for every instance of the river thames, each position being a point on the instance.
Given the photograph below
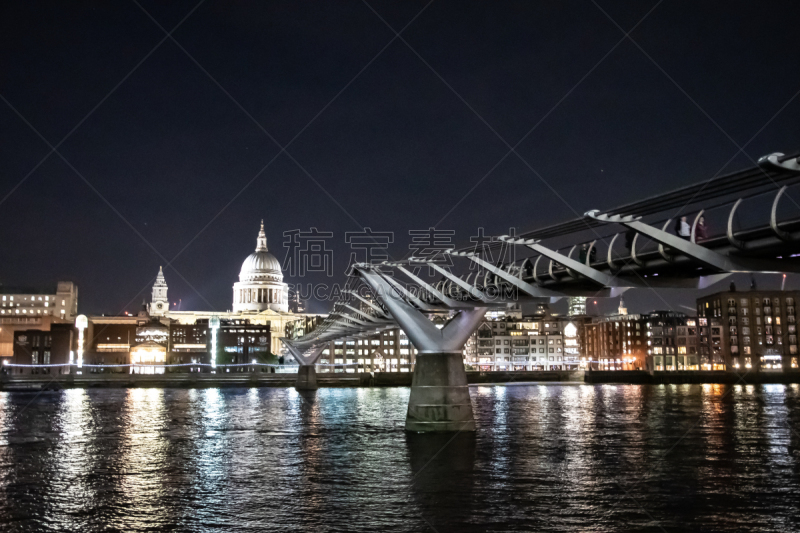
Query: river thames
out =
(544, 457)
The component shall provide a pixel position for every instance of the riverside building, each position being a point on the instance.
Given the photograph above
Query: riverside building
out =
(260, 299)
(615, 342)
(538, 342)
(387, 351)
(146, 343)
(32, 309)
(158, 335)
(752, 331)
(672, 341)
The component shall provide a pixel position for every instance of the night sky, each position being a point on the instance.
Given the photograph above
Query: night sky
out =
(180, 154)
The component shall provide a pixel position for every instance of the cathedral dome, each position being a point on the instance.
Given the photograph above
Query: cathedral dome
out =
(260, 286)
(261, 265)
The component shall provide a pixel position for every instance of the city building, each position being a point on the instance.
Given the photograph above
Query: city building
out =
(510, 341)
(660, 340)
(146, 342)
(159, 335)
(387, 351)
(752, 331)
(260, 298)
(23, 309)
(576, 305)
(615, 342)
(672, 341)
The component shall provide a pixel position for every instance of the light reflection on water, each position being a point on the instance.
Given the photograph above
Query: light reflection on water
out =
(545, 457)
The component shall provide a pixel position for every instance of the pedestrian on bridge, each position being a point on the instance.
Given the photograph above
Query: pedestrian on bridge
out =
(682, 229)
(701, 231)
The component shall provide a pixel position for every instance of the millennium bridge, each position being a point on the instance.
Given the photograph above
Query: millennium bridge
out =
(631, 246)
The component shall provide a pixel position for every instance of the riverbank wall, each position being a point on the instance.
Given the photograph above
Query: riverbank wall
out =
(690, 376)
(28, 382)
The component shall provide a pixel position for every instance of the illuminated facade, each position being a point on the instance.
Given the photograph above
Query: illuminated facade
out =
(260, 299)
(148, 354)
(657, 341)
(615, 342)
(23, 309)
(576, 305)
(754, 331)
(260, 286)
(516, 342)
(672, 342)
(143, 344)
(387, 351)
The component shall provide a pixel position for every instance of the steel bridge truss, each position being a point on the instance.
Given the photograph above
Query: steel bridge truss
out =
(551, 272)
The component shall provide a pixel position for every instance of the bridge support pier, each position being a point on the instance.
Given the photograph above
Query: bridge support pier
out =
(306, 378)
(439, 398)
(307, 372)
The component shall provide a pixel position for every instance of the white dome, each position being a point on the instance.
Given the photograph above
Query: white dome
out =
(261, 266)
(260, 286)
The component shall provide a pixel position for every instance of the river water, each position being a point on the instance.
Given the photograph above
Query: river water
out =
(544, 458)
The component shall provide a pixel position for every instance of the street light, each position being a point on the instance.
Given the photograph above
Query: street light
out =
(81, 322)
(213, 324)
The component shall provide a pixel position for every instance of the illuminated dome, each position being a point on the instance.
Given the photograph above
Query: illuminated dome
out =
(260, 284)
(261, 265)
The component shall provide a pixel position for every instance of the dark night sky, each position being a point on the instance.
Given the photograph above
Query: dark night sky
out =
(168, 150)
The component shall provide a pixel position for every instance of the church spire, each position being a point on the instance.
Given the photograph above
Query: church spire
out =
(261, 245)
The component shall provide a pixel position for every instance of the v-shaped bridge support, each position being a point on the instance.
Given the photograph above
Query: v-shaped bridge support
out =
(307, 372)
(439, 399)
(423, 333)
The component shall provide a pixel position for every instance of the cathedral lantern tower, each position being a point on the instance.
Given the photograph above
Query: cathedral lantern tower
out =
(159, 304)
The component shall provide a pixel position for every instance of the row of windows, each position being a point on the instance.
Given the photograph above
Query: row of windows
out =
(533, 350)
(33, 299)
(769, 330)
(745, 321)
(747, 350)
(532, 325)
(498, 342)
(681, 350)
(744, 302)
(31, 312)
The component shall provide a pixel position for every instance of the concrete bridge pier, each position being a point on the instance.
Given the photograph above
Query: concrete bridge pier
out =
(439, 398)
(307, 372)
(306, 378)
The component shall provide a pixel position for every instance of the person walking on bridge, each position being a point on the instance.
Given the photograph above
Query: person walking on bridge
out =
(682, 229)
(701, 231)
(582, 254)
